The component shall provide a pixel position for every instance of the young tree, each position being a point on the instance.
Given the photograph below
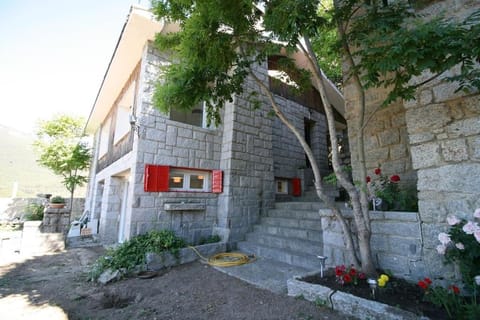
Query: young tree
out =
(220, 43)
(61, 150)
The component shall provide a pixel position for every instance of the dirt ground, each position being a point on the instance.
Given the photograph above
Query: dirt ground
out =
(55, 287)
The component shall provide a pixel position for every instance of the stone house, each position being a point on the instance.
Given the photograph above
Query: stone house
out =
(171, 171)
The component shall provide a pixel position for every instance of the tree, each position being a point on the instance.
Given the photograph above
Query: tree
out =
(221, 42)
(61, 150)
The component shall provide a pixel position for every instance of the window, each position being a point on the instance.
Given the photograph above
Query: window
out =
(194, 117)
(124, 109)
(104, 138)
(165, 178)
(189, 180)
(281, 186)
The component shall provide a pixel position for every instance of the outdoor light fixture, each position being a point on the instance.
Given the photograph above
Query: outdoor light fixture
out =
(373, 286)
(134, 124)
(322, 264)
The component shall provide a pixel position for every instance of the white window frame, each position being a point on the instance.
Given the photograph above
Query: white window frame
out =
(187, 173)
(284, 183)
(204, 118)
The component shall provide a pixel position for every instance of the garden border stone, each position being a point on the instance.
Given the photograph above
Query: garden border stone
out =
(346, 303)
(157, 261)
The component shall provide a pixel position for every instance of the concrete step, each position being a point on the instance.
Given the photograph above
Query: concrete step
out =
(293, 205)
(295, 258)
(304, 234)
(293, 214)
(82, 241)
(293, 244)
(293, 222)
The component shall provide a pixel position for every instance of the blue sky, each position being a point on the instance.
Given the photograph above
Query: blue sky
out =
(53, 55)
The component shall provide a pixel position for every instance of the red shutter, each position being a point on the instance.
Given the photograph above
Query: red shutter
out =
(217, 181)
(296, 187)
(156, 178)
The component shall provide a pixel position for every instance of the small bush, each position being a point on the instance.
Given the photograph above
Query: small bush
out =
(34, 211)
(132, 253)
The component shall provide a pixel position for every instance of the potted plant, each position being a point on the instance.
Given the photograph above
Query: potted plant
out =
(57, 202)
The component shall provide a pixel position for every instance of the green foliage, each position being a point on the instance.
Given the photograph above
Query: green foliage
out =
(466, 255)
(60, 150)
(34, 211)
(394, 44)
(210, 239)
(131, 253)
(57, 199)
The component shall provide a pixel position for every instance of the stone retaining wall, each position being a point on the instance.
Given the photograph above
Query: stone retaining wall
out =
(397, 242)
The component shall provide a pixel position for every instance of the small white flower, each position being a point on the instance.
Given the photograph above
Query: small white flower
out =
(470, 227)
(459, 246)
(441, 249)
(476, 214)
(452, 220)
(444, 238)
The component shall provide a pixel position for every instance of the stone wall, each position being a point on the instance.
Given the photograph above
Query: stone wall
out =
(17, 207)
(288, 154)
(397, 242)
(434, 139)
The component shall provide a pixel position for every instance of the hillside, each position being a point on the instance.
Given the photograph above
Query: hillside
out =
(18, 164)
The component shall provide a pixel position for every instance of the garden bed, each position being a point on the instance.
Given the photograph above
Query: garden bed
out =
(398, 300)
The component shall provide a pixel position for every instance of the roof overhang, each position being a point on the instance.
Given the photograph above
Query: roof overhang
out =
(139, 28)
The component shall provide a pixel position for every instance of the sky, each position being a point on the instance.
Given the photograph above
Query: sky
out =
(53, 56)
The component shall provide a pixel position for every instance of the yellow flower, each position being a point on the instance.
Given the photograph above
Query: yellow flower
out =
(381, 282)
(384, 277)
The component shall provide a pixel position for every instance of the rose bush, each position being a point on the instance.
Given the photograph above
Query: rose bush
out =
(387, 188)
(461, 245)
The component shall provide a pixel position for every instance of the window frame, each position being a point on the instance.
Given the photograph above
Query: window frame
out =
(187, 174)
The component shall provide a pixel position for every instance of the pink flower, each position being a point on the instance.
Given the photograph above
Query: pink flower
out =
(441, 249)
(378, 171)
(476, 234)
(460, 246)
(470, 227)
(476, 214)
(452, 220)
(444, 238)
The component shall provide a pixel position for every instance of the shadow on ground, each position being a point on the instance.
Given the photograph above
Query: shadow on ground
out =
(55, 287)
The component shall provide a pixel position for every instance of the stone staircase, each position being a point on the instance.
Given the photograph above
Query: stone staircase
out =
(290, 233)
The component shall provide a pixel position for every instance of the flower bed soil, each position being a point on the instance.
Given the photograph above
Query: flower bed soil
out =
(398, 293)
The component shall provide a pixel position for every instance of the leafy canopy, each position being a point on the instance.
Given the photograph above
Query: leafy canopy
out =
(60, 149)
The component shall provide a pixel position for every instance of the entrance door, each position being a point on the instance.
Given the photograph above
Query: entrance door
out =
(308, 134)
(123, 212)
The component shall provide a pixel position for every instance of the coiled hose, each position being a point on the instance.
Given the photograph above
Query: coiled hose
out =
(225, 259)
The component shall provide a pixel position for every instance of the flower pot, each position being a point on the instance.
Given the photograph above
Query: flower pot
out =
(56, 205)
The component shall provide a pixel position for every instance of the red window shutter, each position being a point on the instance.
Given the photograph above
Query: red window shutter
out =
(296, 187)
(217, 181)
(156, 178)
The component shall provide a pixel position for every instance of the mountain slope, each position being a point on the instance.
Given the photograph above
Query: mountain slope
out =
(18, 165)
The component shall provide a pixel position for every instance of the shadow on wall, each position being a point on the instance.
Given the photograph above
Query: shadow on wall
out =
(15, 208)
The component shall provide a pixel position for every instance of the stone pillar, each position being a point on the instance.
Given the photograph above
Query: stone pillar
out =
(56, 220)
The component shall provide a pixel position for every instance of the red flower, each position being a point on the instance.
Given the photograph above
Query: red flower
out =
(423, 285)
(428, 281)
(455, 289)
(395, 178)
(347, 278)
(378, 171)
(339, 270)
(353, 272)
(368, 179)
(362, 276)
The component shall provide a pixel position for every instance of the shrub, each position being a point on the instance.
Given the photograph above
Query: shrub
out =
(131, 253)
(34, 211)
(57, 199)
